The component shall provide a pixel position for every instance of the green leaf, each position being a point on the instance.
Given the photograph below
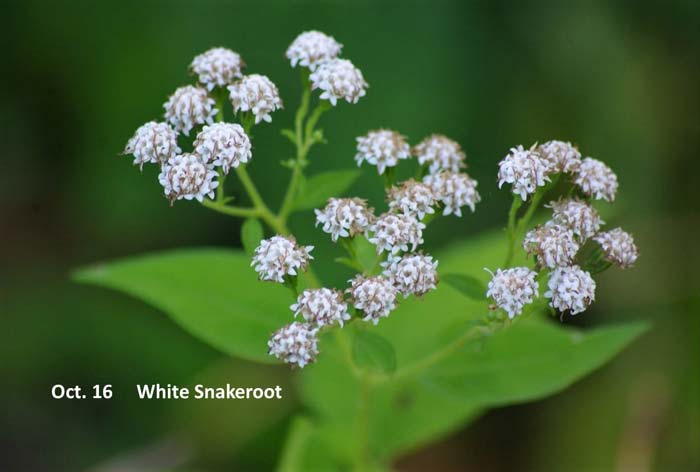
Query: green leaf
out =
(290, 135)
(320, 187)
(212, 293)
(373, 352)
(467, 285)
(251, 235)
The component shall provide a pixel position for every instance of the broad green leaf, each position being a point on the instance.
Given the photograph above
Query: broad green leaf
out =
(466, 284)
(372, 352)
(213, 294)
(251, 235)
(318, 188)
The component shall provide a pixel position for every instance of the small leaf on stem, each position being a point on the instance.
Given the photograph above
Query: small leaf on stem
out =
(251, 235)
(320, 187)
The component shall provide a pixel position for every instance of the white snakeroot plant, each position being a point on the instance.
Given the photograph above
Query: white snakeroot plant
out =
(312, 48)
(560, 156)
(374, 296)
(257, 94)
(223, 144)
(321, 307)
(217, 67)
(295, 344)
(453, 191)
(512, 289)
(382, 148)
(596, 179)
(186, 176)
(153, 143)
(344, 217)
(396, 232)
(524, 169)
(578, 216)
(279, 257)
(618, 247)
(570, 289)
(412, 198)
(338, 79)
(188, 107)
(553, 244)
(440, 153)
(412, 274)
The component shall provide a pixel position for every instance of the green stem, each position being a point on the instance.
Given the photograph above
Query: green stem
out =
(517, 203)
(230, 210)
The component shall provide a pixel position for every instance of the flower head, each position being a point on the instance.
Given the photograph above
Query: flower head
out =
(382, 148)
(560, 156)
(280, 256)
(553, 244)
(188, 107)
(513, 288)
(412, 198)
(321, 307)
(217, 67)
(344, 217)
(375, 296)
(441, 153)
(312, 48)
(412, 274)
(596, 179)
(295, 343)
(223, 144)
(257, 94)
(394, 233)
(578, 216)
(618, 246)
(524, 169)
(187, 176)
(570, 289)
(338, 79)
(153, 142)
(453, 190)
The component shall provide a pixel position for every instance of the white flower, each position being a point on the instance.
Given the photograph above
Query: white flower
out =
(513, 288)
(188, 107)
(338, 79)
(576, 215)
(223, 144)
(570, 289)
(596, 179)
(382, 148)
(396, 233)
(295, 343)
(453, 190)
(280, 256)
(412, 198)
(311, 48)
(412, 274)
(553, 244)
(217, 67)
(321, 307)
(257, 94)
(344, 217)
(524, 169)
(186, 176)
(560, 156)
(441, 153)
(618, 246)
(153, 142)
(375, 296)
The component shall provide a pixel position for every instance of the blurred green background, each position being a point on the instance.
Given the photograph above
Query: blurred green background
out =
(618, 78)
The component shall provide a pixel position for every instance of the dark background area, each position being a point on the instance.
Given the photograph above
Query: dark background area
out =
(620, 79)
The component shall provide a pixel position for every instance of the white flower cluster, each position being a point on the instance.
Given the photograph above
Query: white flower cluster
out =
(186, 176)
(154, 143)
(596, 179)
(217, 67)
(453, 190)
(412, 274)
(553, 244)
(560, 156)
(382, 148)
(296, 343)
(345, 217)
(223, 144)
(618, 246)
(578, 216)
(280, 256)
(513, 288)
(524, 169)
(375, 296)
(312, 48)
(321, 307)
(396, 232)
(188, 107)
(338, 79)
(412, 198)
(440, 153)
(255, 93)
(570, 289)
